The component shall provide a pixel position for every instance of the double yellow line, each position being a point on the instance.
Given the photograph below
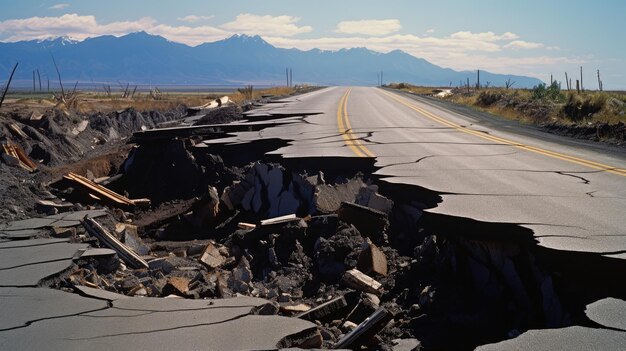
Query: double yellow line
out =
(560, 156)
(345, 129)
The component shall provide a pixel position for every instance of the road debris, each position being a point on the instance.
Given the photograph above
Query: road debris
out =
(98, 192)
(14, 155)
(366, 330)
(130, 257)
(357, 280)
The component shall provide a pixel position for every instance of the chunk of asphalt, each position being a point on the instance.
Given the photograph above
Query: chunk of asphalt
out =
(25, 263)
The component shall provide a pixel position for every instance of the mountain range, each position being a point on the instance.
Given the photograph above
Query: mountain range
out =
(142, 58)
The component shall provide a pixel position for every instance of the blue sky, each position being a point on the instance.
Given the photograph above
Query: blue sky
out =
(530, 37)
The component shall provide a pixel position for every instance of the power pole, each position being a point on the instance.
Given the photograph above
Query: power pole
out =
(287, 75)
(567, 82)
(551, 80)
(582, 87)
(468, 89)
(599, 81)
(39, 77)
(381, 79)
(34, 88)
(477, 79)
(290, 77)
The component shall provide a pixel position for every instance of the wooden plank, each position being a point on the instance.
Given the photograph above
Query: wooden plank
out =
(99, 192)
(281, 219)
(127, 254)
(358, 280)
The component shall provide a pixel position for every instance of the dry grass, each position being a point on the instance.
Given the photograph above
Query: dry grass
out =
(91, 102)
(415, 89)
(567, 107)
(239, 98)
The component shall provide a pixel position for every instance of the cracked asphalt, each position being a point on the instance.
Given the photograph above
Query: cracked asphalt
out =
(571, 194)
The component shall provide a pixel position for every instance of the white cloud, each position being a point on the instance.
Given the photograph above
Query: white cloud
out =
(407, 42)
(520, 44)
(484, 36)
(369, 27)
(81, 27)
(430, 31)
(58, 6)
(72, 25)
(194, 18)
(247, 23)
(189, 35)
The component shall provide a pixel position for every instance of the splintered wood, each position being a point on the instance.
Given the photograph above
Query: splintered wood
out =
(359, 281)
(124, 252)
(99, 192)
(20, 158)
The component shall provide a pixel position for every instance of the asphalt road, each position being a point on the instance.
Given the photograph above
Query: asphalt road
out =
(571, 194)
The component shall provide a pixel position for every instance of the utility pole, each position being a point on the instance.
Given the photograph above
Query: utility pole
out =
(39, 77)
(477, 79)
(599, 81)
(381, 79)
(468, 89)
(290, 77)
(287, 75)
(34, 88)
(582, 87)
(567, 82)
(551, 80)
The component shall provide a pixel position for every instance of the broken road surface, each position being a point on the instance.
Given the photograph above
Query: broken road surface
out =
(572, 195)
(472, 198)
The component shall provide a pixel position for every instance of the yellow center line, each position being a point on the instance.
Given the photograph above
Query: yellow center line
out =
(553, 154)
(346, 129)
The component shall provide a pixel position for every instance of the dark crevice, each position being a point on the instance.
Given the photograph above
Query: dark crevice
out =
(163, 329)
(32, 245)
(31, 322)
(431, 156)
(182, 309)
(572, 292)
(35, 263)
(584, 180)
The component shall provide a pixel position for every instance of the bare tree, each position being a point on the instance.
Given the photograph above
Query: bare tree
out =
(6, 87)
(59, 75)
(68, 99)
(107, 89)
(246, 92)
(509, 83)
